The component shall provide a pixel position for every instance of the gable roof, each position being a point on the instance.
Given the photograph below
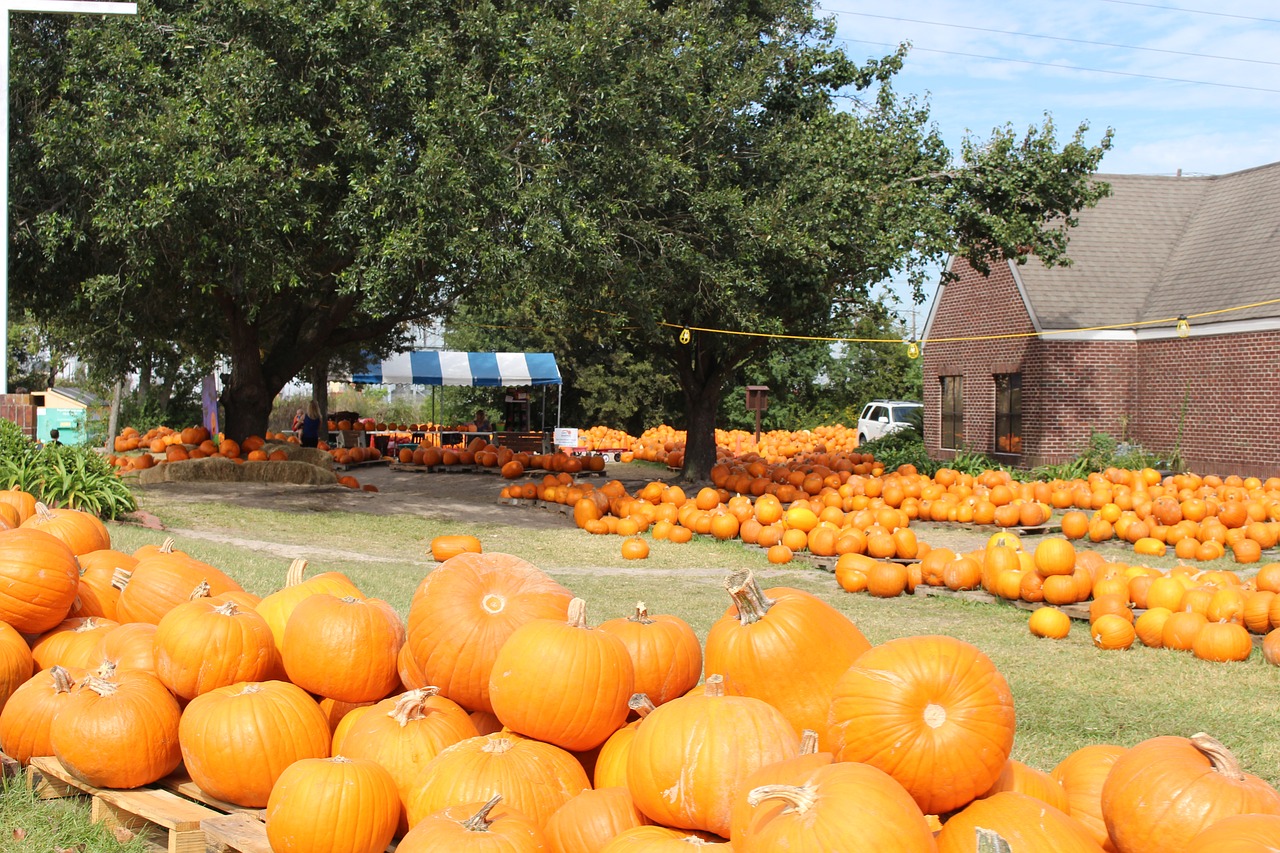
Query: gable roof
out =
(1163, 246)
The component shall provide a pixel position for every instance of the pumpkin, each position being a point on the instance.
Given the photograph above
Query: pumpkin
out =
(1248, 833)
(846, 806)
(1196, 780)
(931, 711)
(71, 643)
(1181, 629)
(789, 771)
(1082, 774)
(661, 839)
(562, 682)
(783, 646)
(129, 646)
(23, 502)
(403, 733)
(1024, 823)
(591, 819)
(95, 595)
(81, 531)
(1149, 627)
(1049, 622)
(38, 580)
(463, 612)
(1223, 641)
(666, 655)
(691, 754)
(201, 645)
(278, 606)
(338, 805)
(16, 662)
(118, 732)
(1055, 556)
(475, 828)
(1271, 647)
(610, 768)
(29, 712)
(1111, 632)
(444, 547)
(533, 777)
(343, 648)
(634, 548)
(162, 581)
(237, 740)
(1025, 779)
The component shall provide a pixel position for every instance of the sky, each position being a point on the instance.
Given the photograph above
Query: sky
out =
(1188, 85)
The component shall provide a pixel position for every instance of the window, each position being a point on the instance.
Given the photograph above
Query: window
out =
(952, 412)
(1008, 412)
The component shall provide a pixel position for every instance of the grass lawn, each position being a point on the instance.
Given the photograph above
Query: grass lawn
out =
(1067, 693)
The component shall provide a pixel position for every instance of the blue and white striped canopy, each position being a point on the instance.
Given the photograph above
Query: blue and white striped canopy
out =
(498, 369)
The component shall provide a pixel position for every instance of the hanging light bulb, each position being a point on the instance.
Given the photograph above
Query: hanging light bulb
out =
(913, 348)
(1184, 326)
(685, 335)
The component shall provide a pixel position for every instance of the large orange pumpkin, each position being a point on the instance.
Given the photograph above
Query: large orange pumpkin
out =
(690, 756)
(38, 579)
(1026, 823)
(463, 612)
(784, 646)
(590, 820)
(931, 711)
(665, 653)
(1196, 780)
(1082, 774)
(83, 532)
(474, 827)
(29, 713)
(1248, 833)
(318, 799)
(343, 648)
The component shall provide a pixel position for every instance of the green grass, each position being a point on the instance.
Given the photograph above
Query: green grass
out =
(31, 825)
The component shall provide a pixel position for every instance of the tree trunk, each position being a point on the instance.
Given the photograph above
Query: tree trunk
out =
(320, 386)
(700, 436)
(113, 420)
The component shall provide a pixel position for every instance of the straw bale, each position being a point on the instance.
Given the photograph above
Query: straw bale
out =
(301, 473)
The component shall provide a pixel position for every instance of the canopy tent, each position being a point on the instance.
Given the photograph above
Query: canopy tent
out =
(495, 369)
(485, 369)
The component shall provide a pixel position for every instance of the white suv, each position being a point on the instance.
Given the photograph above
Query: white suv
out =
(881, 417)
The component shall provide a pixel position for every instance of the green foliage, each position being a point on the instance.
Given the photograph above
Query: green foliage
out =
(29, 824)
(1101, 452)
(62, 475)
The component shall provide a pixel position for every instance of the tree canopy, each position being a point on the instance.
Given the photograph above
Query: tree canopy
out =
(272, 182)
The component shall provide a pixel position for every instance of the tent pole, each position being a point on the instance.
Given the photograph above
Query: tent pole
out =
(559, 402)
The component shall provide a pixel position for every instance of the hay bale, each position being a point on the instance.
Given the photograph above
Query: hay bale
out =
(300, 473)
(211, 469)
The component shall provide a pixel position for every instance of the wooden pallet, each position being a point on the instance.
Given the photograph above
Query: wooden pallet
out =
(153, 813)
(1020, 530)
(351, 466)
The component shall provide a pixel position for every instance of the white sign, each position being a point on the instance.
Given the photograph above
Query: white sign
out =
(566, 437)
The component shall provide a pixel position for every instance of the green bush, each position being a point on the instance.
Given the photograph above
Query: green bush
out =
(62, 475)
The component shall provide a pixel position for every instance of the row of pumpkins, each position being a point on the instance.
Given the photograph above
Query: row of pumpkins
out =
(510, 463)
(494, 715)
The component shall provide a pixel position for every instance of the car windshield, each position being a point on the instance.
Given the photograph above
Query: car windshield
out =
(903, 413)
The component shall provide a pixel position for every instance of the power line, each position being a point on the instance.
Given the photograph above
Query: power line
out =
(1053, 38)
(1070, 67)
(1194, 11)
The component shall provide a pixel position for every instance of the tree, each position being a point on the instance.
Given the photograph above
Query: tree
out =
(697, 172)
(265, 183)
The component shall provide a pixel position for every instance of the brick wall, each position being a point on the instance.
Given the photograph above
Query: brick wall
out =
(1213, 398)
(19, 409)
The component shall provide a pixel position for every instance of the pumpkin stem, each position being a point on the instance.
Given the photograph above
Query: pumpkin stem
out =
(799, 799)
(227, 608)
(1222, 759)
(578, 613)
(748, 596)
(641, 615)
(202, 590)
(498, 745)
(641, 704)
(43, 512)
(479, 822)
(106, 669)
(409, 706)
(808, 742)
(120, 578)
(714, 685)
(293, 576)
(62, 680)
(166, 547)
(100, 685)
(990, 841)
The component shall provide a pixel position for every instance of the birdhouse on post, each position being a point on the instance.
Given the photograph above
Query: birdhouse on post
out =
(757, 401)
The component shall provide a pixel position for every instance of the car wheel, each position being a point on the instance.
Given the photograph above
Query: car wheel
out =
(862, 439)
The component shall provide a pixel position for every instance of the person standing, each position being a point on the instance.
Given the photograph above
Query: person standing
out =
(310, 428)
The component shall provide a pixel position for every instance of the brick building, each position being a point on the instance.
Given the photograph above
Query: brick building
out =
(1025, 362)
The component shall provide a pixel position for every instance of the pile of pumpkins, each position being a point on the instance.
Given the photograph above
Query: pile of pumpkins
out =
(497, 717)
(511, 464)
(162, 446)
